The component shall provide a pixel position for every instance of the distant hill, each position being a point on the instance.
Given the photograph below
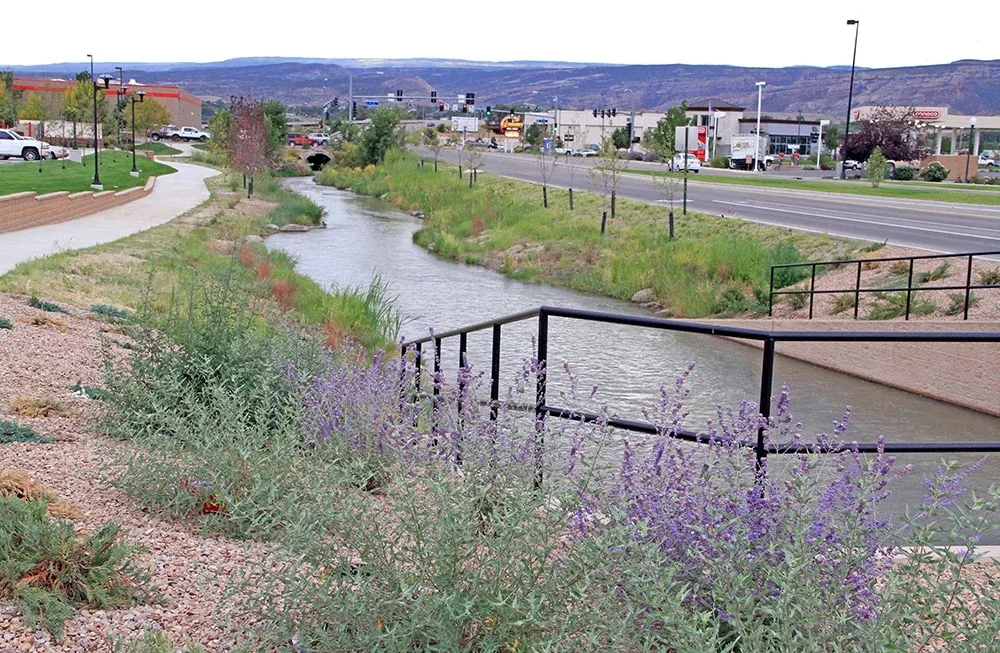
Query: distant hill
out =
(968, 87)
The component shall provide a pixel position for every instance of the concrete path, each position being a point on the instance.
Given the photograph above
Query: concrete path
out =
(172, 196)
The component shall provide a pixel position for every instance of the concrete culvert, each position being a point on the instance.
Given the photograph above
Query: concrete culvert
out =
(317, 161)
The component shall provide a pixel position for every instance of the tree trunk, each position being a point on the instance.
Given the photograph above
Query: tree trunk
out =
(670, 223)
(570, 199)
(604, 221)
(612, 205)
(545, 196)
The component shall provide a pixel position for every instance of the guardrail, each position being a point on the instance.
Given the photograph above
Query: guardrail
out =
(769, 339)
(909, 288)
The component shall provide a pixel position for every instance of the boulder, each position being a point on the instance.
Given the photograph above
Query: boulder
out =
(271, 228)
(253, 239)
(294, 228)
(643, 296)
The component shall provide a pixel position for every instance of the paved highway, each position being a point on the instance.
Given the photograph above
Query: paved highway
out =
(930, 225)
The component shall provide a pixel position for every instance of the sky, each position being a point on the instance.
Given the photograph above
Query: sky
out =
(745, 33)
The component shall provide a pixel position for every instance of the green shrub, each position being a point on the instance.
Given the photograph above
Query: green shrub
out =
(889, 306)
(934, 172)
(979, 179)
(957, 303)
(47, 569)
(874, 247)
(798, 300)
(843, 302)
(150, 641)
(719, 161)
(878, 166)
(905, 173)
(5, 323)
(109, 311)
(34, 302)
(990, 277)
(13, 432)
(938, 273)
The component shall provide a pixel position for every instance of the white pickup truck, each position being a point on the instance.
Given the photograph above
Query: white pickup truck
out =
(13, 144)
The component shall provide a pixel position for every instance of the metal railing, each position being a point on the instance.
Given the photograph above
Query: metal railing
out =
(909, 288)
(769, 339)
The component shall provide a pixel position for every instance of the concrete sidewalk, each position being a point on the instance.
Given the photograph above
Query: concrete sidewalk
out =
(172, 196)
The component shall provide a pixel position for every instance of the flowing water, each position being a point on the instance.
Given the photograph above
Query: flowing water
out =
(628, 364)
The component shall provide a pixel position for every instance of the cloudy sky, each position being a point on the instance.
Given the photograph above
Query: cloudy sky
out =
(770, 34)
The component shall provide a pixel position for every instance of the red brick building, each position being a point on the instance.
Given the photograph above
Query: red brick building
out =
(184, 108)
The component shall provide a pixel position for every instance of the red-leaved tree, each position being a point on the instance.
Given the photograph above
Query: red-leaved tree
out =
(247, 140)
(890, 129)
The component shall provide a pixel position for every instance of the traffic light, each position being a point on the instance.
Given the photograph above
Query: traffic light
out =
(512, 112)
(595, 113)
(814, 138)
(465, 108)
(489, 110)
(354, 108)
(399, 95)
(614, 112)
(434, 97)
(336, 102)
(470, 99)
(440, 106)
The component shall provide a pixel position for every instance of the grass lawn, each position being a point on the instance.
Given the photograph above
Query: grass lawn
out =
(16, 177)
(159, 149)
(714, 266)
(896, 190)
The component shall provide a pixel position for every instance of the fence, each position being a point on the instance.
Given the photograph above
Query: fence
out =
(769, 339)
(909, 289)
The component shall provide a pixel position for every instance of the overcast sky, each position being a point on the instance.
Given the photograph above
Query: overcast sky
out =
(745, 33)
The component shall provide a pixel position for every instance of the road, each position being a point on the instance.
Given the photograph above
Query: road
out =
(935, 226)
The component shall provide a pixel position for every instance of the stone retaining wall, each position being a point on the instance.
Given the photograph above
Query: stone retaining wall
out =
(25, 210)
(965, 374)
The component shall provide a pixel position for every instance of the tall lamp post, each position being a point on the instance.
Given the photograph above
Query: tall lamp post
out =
(631, 129)
(119, 103)
(106, 78)
(135, 171)
(850, 97)
(968, 153)
(756, 145)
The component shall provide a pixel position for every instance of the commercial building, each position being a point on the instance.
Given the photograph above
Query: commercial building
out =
(786, 136)
(184, 108)
(938, 121)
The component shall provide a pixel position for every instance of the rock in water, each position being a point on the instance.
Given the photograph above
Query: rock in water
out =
(643, 296)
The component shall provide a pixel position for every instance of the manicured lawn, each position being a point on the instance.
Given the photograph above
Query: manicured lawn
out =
(894, 190)
(19, 176)
(159, 149)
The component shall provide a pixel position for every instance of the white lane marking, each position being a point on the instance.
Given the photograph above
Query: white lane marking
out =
(867, 222)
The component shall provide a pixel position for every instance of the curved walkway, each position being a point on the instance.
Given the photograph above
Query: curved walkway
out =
(172, 196)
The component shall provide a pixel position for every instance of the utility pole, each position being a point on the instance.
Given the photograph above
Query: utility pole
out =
(350, 97)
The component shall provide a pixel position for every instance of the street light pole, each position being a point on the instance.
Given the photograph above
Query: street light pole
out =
(819, 143)
(631, 130)
(96, 185)
(968, 153)
(756, 145)
(119, 97)
(350, 97)
(850, 97)
(135, 171)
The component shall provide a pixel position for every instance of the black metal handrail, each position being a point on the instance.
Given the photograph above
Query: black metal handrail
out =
(909, 289)
(769, 339)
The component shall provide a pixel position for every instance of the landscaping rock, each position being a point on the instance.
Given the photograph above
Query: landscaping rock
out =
(293, 228)
(431, 247)
(272, 228)
(253, 239)
(514, 250)
(643, 296)
(418, 214)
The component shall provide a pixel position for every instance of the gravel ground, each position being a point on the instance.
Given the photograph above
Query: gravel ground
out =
(190, 572)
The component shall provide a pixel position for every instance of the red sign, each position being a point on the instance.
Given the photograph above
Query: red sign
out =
(926, 114)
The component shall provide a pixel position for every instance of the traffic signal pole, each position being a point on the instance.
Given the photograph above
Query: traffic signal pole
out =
(350, 98)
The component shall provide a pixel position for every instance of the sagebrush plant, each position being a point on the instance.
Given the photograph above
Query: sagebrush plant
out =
(41, 304)
(415, 521)
(47, 569)
(14, 432)
(5, 323)
(110, 311)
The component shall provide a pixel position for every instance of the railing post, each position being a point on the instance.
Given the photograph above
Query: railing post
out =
(437, 389)
(417, 363)
(766, 381)
(857, 291)
(463, 345)
(495, 375)
(968, 288)
(812, 287)
(909, 290)
(770, 297)
(542, 370)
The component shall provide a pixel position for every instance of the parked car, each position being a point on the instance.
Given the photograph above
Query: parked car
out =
(13, 144)
(986, 162)
(296, 139)
(564, 150)
(319, 138)
(851, 164)
(166, 132)
(55, 151)
(585, 153)
(677, 163)
(193, 134)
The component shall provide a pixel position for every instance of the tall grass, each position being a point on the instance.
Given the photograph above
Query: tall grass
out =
(709, 258)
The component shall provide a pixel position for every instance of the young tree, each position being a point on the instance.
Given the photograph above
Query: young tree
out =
(382, 135)
(9, 99)
(620, 138)
(546, 168)
(877, 167)
(889, 129)
(668, 188)
(474, 161)
(533, 135)
(434, 143)
(832, 137)
(33, 108)
(149, 115)
(661, 139)
(606, 175)
(219, 128)
(277, 126)
(249, 137)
